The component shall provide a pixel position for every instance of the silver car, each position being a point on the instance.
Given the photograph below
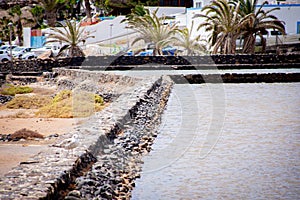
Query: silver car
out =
(4, 56)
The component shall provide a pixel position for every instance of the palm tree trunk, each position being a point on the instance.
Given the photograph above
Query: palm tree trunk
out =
(249, 43)
(20, 32)
(88, 10)
(263, 44)
(76, 52)
(51, 18)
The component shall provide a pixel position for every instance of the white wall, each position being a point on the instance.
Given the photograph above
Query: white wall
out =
(26, 36)
(103, 32)
(290, 14)
(274, 2)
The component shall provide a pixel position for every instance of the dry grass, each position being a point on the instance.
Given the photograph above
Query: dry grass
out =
(12, 90)
(28, 102)
(68, 105)
(26, 134)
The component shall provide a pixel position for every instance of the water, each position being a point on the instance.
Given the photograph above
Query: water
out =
(231, 141)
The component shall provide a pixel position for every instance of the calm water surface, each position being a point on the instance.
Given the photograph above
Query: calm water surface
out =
(231, 141)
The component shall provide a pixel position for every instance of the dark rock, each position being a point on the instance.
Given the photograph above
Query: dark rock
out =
(5, 98)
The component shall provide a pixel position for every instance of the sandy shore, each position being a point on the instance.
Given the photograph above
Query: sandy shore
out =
(12, 153)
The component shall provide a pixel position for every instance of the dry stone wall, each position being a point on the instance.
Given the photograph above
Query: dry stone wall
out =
(52, 173)
(103, 63)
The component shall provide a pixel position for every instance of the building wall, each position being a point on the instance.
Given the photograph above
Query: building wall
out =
(289, 13)
(201, 3)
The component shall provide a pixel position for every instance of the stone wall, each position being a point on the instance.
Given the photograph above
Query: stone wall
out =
(50, 174)
(93, 81)
(157, 62)
(236, 78)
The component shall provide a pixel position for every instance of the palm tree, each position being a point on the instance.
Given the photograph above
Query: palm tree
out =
(38, 16)
(138, 10)
(224, 23)
(16, 11)
(152, 29)
(4, 33)
(71, 35)
(191, 45)
(124, 6)
(51, 8)
(259, 22)
(88, 10)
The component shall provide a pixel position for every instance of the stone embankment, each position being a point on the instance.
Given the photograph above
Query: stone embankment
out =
(236, 78)
(239, 61)
(108, 157)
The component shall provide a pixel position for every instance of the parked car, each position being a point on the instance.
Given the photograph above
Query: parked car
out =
(4, 56)
(19, 51)
(6, 47)
(49, 47)
(169, 51)
(28, 55)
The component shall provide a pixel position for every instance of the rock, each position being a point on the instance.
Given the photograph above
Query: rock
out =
(45, 55)
(74, 193)
(72, 198)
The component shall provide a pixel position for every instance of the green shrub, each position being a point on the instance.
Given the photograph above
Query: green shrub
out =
(12, 90)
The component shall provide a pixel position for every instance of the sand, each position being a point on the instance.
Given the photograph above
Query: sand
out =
(12, 153)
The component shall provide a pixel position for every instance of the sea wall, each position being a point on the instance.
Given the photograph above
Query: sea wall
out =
(56, 174)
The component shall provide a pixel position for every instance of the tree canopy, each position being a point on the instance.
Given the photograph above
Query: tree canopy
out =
(123, 7)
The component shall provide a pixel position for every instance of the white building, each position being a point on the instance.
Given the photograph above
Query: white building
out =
(201, 3)
(289, 13)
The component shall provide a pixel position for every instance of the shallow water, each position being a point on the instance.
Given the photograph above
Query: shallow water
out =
(231, 141)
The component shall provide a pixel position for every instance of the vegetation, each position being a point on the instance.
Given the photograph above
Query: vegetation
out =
(88, 10)
(52, 7)
(25, 134)
(4, 33)
(229, 20)
(67, 105)
(72, 35)
(16, 11)
(225, 23)
(258, 23)
(226, 20)
(28, 102)
(12, 90)
(118, 7)
(38, 16)
(153, 30)
(137, 11)
(192, 46)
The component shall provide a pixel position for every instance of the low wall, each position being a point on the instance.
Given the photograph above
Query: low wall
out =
(127, 62)
(236, 78)
(51, 173)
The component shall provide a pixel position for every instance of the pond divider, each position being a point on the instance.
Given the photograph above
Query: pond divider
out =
(55, 173)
